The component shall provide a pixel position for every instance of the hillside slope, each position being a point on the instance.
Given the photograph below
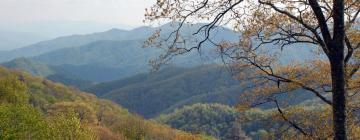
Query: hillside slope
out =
(57, 74)
(212, 119)
(152, 94)
(99, 119)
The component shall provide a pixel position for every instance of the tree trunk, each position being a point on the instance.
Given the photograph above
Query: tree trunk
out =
(339, 99)
(338, 71)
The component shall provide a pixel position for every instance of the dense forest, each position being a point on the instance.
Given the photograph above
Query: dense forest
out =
(212, 119)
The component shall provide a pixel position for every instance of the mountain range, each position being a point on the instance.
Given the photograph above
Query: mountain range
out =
(114, 65)
(139, 34)
(110, 55)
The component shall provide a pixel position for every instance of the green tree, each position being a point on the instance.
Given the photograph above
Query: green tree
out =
(83, 111)
(68, 126)
(21, 122)
(12, 90)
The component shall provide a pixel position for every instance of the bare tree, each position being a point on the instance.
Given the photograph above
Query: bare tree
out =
(330, 25)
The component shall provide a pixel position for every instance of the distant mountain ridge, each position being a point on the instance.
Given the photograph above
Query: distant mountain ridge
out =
(140, 34)
(63, 42)
(118, 53)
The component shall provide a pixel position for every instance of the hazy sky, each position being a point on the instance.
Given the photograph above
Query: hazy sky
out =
(126, 12)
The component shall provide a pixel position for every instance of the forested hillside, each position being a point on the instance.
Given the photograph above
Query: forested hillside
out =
(46, 110)
(228, 123)
(212, 119)
(155, 93)
(57, 74)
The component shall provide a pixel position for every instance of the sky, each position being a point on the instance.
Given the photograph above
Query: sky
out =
(127, 12)
(52, 18)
